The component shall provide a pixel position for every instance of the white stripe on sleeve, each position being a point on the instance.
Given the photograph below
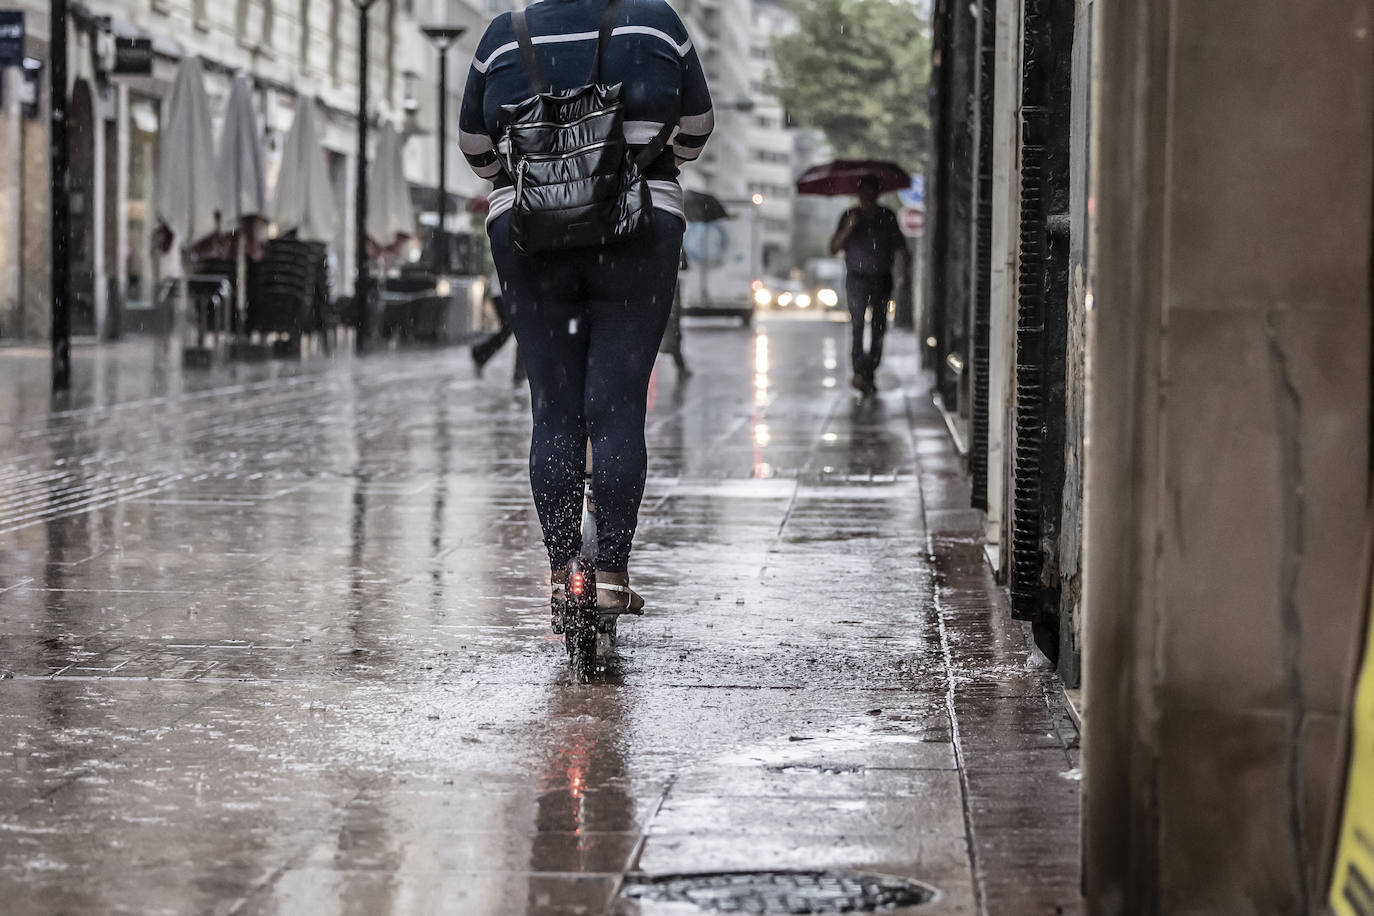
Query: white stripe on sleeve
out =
(638, 132)
(474, 144)
(698, 125)
(487, 171)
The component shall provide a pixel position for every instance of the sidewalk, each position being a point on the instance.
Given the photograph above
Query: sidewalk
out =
(274, 641)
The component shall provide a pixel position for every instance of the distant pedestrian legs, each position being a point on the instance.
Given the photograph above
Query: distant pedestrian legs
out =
(867, 293)
(672, 336)
(487, 347)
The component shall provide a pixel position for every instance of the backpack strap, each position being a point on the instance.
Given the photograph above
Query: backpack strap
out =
(608, 20)
(655, 147)
(532, 68)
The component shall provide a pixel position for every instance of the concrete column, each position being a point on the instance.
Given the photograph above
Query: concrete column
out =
(348, 257)
(1005, 208)
(98, 267)
(121, 266)
(1227, 449)
(11, 207)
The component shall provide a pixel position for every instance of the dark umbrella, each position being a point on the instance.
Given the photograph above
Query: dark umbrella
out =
(843, 176)
(704, 208)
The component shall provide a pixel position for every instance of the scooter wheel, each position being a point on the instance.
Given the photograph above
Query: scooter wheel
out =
(581, 642)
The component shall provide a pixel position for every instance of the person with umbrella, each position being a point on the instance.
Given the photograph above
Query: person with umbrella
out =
(871, 239)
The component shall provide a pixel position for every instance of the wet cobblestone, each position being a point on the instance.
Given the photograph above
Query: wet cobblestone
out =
(273, 640)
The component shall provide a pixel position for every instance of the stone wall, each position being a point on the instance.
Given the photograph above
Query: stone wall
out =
(1228, 456)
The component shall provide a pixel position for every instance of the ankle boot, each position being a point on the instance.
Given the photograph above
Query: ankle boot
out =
(558, 597)
(613, 593)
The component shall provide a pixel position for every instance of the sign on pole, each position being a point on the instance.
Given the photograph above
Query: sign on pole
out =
(915, 195)
(133, 56)
(913, 220)
(11, 38)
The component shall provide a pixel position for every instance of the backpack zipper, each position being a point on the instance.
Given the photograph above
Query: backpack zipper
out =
(572, 152)
(585, 117)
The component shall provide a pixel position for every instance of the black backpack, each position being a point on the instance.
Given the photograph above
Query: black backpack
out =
(576, 186)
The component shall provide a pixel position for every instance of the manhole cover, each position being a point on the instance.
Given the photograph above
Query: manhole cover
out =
(781, 892)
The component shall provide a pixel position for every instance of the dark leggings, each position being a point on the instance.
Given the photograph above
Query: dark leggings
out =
(867, 293)
(588, 323)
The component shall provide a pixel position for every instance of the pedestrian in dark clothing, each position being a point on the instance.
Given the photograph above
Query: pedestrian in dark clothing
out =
(672, 337)
(871, 239)
(589, 320)
(487, 347)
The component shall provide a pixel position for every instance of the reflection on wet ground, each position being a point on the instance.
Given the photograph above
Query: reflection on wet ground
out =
(272, 640)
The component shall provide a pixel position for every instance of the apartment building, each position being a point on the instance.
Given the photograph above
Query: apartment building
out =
(771, 167)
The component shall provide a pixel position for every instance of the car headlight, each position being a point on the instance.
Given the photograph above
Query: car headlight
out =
(442, 288)
(828, 298)
(784, 300)
(803, 300)
(762, 296)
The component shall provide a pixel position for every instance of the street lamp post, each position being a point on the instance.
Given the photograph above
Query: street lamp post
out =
(443, 37)
(364, 307)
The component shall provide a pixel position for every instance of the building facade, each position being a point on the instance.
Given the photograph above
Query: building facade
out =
(293, 52)
(297, 50)
(771, 167)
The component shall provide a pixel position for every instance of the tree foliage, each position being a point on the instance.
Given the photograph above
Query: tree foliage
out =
(858, 70)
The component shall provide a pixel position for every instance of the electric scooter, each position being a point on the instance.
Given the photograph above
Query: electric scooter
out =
(588, 632)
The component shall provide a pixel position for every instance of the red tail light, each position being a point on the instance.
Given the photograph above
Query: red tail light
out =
(577, 584)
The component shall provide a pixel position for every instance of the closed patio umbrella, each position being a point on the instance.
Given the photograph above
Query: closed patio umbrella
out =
(242, 179)
(390, 216)
(305, 202)
(185, 199)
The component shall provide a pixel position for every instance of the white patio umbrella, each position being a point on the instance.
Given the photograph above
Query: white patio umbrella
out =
(242, 179)
(304, 200)
(184, 199)
(390, 216)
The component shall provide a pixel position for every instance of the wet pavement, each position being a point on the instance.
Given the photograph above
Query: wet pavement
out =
(274, 639)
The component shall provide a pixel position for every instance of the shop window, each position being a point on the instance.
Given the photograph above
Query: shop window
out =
(269, 20)
(335, 14)
(305, 36)
(246, 20)
(391, 49)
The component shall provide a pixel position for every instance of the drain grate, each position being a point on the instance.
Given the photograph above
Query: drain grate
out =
(781, 892)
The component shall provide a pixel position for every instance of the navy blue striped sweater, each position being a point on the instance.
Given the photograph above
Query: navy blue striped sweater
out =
(649, 53)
